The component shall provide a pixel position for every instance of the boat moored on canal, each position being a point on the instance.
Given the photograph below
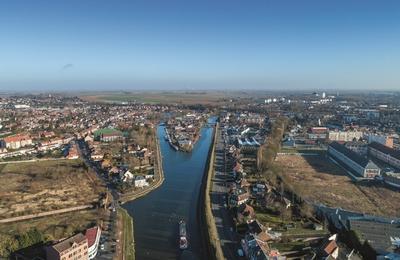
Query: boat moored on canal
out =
(183, 243)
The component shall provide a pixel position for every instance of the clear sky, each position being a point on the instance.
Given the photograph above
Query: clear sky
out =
(167, 44)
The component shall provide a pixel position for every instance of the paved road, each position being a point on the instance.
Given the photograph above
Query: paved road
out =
(230, 240)
(108, 237)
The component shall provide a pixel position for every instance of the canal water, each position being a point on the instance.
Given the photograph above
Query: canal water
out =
(157, 214)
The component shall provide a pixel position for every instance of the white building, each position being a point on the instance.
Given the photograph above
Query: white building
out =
(345, 136)
(17, 141)
(93, 236)
(356, 163)
(382, 139)
(127, 176)
(141, 182)
(385, 154)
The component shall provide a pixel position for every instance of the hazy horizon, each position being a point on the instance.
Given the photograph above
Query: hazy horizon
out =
(207, 45)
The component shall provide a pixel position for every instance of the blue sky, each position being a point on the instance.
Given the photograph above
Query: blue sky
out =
(167, 44)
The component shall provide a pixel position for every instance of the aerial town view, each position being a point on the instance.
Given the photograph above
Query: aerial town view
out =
(221, 130)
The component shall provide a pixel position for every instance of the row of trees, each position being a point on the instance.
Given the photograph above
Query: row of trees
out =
(266, 156)
(267, 152)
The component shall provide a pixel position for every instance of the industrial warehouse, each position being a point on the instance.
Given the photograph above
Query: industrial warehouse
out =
(355, 163)
(385, 154)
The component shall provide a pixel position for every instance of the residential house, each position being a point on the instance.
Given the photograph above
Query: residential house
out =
(328, 249)
(127, 176)
(237, 197)
(73, 152)
(245, 213)
(255, 244)
(140, 182)
(17, 141)
(97, 156)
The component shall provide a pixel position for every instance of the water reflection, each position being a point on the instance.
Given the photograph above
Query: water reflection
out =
(156, 215)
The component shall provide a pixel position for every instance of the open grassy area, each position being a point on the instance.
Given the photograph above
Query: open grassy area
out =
(288, 246)
(171, 97)
(278, 224)
(128, 249)
(55, 227)
(34, 187)
(318, 180)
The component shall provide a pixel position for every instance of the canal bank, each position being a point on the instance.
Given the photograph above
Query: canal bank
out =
(158, 213)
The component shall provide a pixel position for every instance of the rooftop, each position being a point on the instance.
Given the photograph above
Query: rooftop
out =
(350, 154)
(91, 235)
(67, 243)
(384, 149)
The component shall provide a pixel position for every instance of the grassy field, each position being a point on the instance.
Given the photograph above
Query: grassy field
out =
(55, 227)
(172, 97)
(28, 188)
(318, 180)
(126, 221)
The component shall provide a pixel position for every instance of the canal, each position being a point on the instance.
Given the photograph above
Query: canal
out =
(157, 214)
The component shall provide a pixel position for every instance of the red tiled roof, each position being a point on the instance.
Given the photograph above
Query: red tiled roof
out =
(330, 247)
(91, 235)
(16, 138)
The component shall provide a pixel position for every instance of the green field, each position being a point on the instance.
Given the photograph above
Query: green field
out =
(187, 98)
(128, 243)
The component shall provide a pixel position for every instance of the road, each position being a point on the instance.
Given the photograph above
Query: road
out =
(230, 241)
(108, 236)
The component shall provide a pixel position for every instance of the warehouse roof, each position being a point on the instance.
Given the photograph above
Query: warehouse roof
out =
(386, 150)
(355, 157)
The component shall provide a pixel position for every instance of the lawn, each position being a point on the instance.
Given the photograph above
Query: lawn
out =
(169, 97)
(288, 246)
(55, 227)
(128, 238)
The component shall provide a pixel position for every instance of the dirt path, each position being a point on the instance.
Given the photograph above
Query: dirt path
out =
(44, 214)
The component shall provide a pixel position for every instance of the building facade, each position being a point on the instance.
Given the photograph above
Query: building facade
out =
(382, 139)
(93, 236)
(17, 141)
(73, 248)
(385, 154)
(345, 136)
(107, 135)
(356, 163)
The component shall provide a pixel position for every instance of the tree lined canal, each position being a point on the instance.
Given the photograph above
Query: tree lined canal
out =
(157, 214)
